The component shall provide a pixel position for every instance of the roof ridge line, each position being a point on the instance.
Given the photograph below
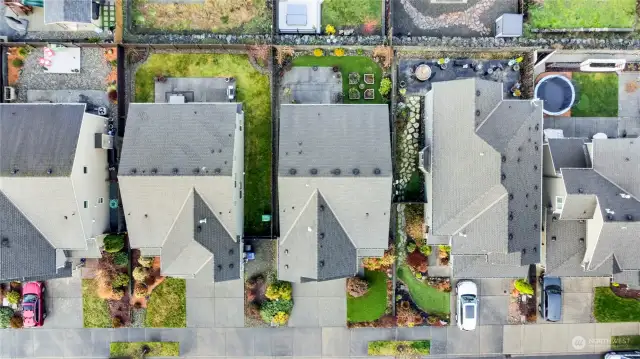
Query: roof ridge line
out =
(284, 238)
(176, 218)
(473, 218)
(615, 184)
(214, 214)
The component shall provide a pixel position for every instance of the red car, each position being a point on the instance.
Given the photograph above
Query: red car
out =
(33, 310)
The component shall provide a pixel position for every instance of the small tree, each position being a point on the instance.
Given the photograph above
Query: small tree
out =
(357, 287)
(120, 259)
(523, 287)
(5, 317)
(13, 297)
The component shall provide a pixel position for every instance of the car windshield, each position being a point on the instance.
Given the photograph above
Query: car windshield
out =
(469, 312)
(554, 289)
(468, 298)
(30, 298)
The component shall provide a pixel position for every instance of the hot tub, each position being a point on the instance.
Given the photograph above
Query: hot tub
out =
(557, 92)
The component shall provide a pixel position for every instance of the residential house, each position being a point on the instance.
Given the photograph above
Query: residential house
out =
(53, 188)
(483, 171)
(181, 181)
(334, 189)
(300, 16)
(593, 222)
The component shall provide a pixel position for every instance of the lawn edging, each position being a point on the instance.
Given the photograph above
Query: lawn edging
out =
(398, 347)
(136, 350)
(610, 308)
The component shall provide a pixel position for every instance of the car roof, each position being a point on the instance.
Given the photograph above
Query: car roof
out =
(554, 306)
(552, 281)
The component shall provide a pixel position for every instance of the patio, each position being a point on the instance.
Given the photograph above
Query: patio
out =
(194, 89)
(306, 85)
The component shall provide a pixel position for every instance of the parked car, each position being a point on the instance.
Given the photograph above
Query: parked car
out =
(623, 354)
(33, 309)
(466, 305)
(231, 92)
(551, 299)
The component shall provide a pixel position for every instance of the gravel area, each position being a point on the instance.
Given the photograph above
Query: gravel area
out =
(137, 317)
(265, 262)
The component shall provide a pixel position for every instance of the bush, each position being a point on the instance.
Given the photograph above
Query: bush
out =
(120, 259)
(411, 247)
(120, 280)
(23, 51)
(17, 63)
(140, 290)
(318, 52)
(146, 261)
(385, 87)
(5, 316)
(357, 287)
(330, 30)
(16, 322)
(13, 297)
(116, 322)
(113, 243)
(140, 273)
(279, 290)
(117, 294)
(339, 52)
(417, 261)
(382, 263)
(280, 318)
(523, 286)
(269, 309)
(425, 249)
(444, 248)
(414, 214)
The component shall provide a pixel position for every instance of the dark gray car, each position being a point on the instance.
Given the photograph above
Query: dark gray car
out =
(551, 299)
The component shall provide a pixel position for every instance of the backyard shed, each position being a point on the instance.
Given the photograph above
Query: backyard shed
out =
(299, 16)
(509, 25)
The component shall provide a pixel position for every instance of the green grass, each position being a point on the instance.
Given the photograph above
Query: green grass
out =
(425, 297)
(134, 349)
(167, 306)
(625, 342)
(360, 64)
(400, 347)
(609, 308)
(373, 304)
(351, 13)
(571, 14)
(95, 312)
(253, 90)
(597, 95)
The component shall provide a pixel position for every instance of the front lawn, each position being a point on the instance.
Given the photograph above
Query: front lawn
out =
(352, 13)
(360, 64)
(167, 306)
(597, 95)
(609, 308)
(253, 91)
(95, 312)
(134, 349)
(571, 14)
(373, 304)
(425, 297)
(625, 342)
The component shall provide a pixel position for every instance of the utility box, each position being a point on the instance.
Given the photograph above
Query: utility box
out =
(509, 25)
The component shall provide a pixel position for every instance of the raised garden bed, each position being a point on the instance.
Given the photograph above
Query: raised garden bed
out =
(135, 350)
(354, 94)
(369, 94)
(354, 78)
(369, 79)
(399, 347)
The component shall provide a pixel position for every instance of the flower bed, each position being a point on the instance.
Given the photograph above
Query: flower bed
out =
(354, 94)
(369, 79)
(354, 78)
(369, 94)
(522, 304)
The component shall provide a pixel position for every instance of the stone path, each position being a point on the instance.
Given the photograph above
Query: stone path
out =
(408, 143)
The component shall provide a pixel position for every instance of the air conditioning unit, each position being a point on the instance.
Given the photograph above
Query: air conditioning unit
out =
(9, 94)
(103, 141)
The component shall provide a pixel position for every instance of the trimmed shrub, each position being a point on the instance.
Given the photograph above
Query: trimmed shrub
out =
(5, 316)
(145, 261)
(523, 286)
(23, 51)
(385, 87)
(318, 52)
(280, 318)
(279, 290)
(13, 297)
(375, 263)
(140, 273)
(113, 243)
(411, 247)
(417, 261)
(120, 280)
(116, 322)
(357, 287)
(17, 62)
(120, 259)
(269, 309)
(117, 294)
(426, 250)
(140, 290)
(338, 52)
(16, 322)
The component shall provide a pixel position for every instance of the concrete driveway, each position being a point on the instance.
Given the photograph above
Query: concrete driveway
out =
(63, 299)
(493, 295)
(319, 304)
(577, 299)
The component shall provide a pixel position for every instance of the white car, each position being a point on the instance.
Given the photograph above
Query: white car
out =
(231, 92)
(466, 305)
(627, 354)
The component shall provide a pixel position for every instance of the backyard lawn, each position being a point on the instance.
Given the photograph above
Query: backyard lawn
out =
(425, 297)
(373, 304)
(609, 308)
(352, 13)
(134, 349)
(597, 95)
(254, 93)
(571, 14)
(167, 306)
(360, 64)
(95, 313)
(625, 342)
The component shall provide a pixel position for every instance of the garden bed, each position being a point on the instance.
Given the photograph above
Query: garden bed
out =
(597, 94)
(268, 301)
(253, 91)
(137, 350)
(582, 14)
(403, 348)
(522, 302)
(426, 298)
(623, 291)
(609, 308)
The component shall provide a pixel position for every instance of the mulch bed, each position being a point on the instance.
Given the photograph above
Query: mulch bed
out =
(154, 272)
(521, 311)
(255, 289)
(624, 291)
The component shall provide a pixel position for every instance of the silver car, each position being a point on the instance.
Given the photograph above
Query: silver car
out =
(466, 305)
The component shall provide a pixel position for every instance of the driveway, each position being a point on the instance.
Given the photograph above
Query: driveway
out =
(214, 305)
(577, 299)
(63, 299)
(493, 295)
(319, 304)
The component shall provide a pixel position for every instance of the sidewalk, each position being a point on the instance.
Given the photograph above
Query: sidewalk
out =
(563, 338)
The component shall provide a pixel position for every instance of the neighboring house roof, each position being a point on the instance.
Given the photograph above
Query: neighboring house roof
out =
(569, 153)
(334, 180)
(42, 186)
(181, 183)
(484, 176)
(75, 11)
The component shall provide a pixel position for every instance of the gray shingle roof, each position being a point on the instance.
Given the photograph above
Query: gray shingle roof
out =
(34, 138)
(315, 140)
(568, 153)
(77, 11)
(486, 162)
